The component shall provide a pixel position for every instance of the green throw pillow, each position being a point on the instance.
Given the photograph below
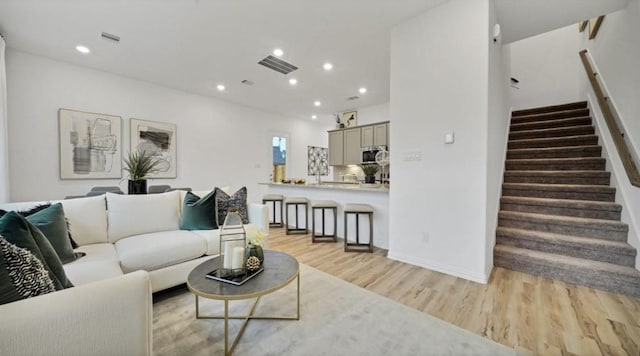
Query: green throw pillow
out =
(199, 213)
(53, 225)
(18, 231)
(22, 275)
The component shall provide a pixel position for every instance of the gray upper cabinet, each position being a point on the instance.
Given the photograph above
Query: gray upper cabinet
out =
(367, 136)
(336, 148)
(352, 151)
(380, 134)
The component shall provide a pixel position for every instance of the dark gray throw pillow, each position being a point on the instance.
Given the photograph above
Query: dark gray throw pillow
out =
(22, 274)
(237, 201)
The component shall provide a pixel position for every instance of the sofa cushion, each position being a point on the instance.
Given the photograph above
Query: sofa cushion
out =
(199, 213)
(160, 249)
(212, 237)
(87, 219)
(18, 231)
(22, 275)
(226, 202)
(131, 215)
(101, 262)
(53, 225)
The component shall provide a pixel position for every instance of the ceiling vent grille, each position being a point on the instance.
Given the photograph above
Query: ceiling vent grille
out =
(278, 65)
(355, 97)
(110, 37)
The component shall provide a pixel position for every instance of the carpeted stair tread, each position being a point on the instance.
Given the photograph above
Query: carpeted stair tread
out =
(600, 275)
(555, 123)
(551, 108)
(563, 207)
(569, 225)
(555, 152)
(616, 252)
(557, 164)
(558, 177)
(553, 132)
(560, 191)
(575, 140)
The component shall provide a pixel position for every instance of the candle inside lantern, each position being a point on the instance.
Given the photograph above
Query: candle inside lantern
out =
(228, 256)
(238, 257)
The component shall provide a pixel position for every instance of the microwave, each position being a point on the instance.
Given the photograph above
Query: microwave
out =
(369, 153)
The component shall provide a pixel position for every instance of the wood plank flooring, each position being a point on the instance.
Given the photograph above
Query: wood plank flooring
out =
(532, 314)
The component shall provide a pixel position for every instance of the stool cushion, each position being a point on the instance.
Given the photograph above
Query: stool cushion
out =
(296, 200)
(358, 208)
(272, 197)
(324, 204)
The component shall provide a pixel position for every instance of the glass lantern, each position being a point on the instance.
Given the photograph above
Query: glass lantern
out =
(233, 242)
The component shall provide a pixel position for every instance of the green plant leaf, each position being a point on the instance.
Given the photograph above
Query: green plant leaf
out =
(139, 164)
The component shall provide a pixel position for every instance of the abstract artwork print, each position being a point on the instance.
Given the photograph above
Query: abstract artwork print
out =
(159, 139)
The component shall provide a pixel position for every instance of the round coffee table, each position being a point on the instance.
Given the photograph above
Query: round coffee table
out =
(280, 269)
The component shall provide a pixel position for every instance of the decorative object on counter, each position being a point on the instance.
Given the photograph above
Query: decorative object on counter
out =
(286, 181)
(159, 140)
(370, 171)
(382, 159)
(339, 125)
(90, 145)
(318, 161)
(139, 164)
(350, 118)
(299, 181)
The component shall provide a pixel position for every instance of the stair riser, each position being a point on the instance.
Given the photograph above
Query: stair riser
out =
(562, 211)
(548, 124)
(569, 131)
(596, 279)
(599, 165)
(556, 153)
(572, 230)
(572, 251)
(554, 109)
(559, 142)
(566, 194)
(556, 180)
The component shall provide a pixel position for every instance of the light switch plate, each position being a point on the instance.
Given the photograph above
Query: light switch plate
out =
(449, 138)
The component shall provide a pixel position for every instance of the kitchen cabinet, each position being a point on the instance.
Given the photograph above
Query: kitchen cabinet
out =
(367, 136)
(352, 146)
(336, 148)
(381, 134)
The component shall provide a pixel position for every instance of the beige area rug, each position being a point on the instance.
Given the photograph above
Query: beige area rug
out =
(336, 318)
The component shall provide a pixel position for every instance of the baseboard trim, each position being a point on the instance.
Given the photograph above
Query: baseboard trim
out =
(471, 276)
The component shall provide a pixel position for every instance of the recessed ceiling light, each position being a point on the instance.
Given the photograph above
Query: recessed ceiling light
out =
(314, 117)
(293, 81)
(327, 66)
(83, 49)
(278, 52)
(220, 87)
(317, 103)
(362, 90)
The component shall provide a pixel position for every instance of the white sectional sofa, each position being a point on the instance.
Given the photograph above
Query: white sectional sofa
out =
(133, 244)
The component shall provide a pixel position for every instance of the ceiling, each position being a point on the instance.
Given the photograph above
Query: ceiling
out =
(194, 45)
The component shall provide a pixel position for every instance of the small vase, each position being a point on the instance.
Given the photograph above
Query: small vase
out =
(255, 250)
(138, 186)
(369, 179)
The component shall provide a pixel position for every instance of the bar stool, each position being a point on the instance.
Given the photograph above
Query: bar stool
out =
(274, 198)
(358, 209)
(324, 205)
(297, 201)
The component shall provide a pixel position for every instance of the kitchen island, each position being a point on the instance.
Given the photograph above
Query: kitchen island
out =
(375, 195)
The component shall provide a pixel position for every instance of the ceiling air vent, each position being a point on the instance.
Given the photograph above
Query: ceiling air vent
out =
(247, 82)
(110, 37)
(278, 65)
(355, 97)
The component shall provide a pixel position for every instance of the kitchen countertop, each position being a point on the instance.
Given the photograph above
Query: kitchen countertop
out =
(378, 188)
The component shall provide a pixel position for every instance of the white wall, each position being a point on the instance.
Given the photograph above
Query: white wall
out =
(4, 147)
(439, 84)
(497, 130)
(373, 114)
(549, 69)
(219, 143)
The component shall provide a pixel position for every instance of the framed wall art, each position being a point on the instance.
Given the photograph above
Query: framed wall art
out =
(318, 161)
(350, 118)
(90, 145)
(160, 139)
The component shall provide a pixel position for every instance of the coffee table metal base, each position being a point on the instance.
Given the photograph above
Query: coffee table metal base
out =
(229, 350)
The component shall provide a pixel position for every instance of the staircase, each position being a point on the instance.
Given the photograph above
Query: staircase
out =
(558, 217)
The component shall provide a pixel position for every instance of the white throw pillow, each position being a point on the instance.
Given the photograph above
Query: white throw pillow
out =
(87, 219)
(141, 214)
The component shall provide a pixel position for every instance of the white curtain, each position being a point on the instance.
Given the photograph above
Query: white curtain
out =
(4, 144)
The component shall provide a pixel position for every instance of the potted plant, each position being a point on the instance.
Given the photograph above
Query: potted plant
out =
(370, 171)
(139, 164)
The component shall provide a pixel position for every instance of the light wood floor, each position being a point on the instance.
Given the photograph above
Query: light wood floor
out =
(531, 314)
